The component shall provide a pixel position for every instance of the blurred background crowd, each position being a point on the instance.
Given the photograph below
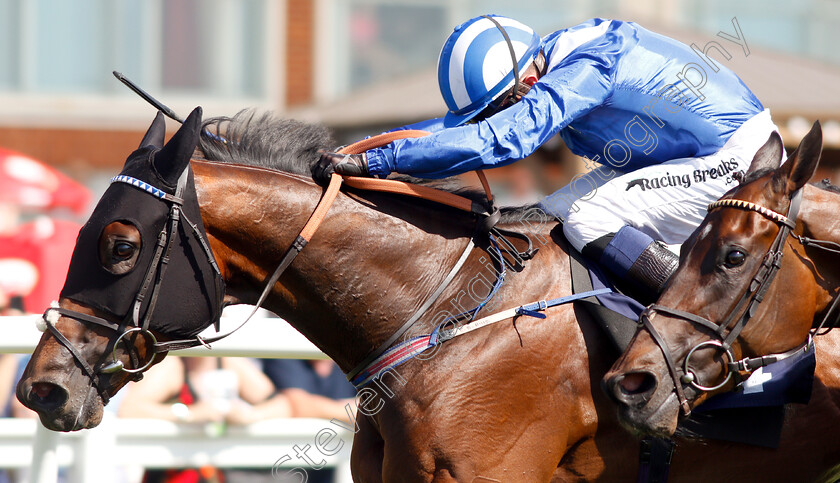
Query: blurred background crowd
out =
(358, 66)
(211, 392)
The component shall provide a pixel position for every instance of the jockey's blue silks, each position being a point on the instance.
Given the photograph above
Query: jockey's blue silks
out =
(480, 60)
(189, 299)
(616, 93)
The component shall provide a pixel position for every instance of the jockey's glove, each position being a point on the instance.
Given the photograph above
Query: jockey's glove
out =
(346, 164)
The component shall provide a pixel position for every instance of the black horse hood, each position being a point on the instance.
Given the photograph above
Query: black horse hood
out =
(189, 298)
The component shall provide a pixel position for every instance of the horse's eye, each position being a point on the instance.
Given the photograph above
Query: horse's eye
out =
(734, 258)
(123, 250)
(119, 247)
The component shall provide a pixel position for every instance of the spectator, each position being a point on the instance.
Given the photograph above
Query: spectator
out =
(9, 363)
(303, 389)
(198, 390)
(314, 389)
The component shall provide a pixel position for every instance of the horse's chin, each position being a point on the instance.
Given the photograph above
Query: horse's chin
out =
(67, 422)
(652, 419)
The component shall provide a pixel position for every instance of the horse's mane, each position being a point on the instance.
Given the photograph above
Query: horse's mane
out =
(262, 139)
(827, 186)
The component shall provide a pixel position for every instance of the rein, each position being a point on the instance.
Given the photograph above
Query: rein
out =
(155, 272)
(746, 306)
(150, 288)
(383, 185)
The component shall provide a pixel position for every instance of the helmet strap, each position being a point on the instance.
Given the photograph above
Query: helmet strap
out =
(541, 63)
(512, 56)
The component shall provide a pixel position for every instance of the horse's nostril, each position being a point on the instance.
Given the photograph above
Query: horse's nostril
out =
(45, 396)
(636, 383)
(41, 390)
(632, 389)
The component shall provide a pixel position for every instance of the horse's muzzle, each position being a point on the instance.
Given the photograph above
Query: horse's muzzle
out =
(42, 397)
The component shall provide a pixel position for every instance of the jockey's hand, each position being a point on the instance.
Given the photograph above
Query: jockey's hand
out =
(348, 164)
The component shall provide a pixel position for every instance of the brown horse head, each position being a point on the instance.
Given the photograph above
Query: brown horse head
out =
(732, 298)
(110, 314)
(247, 205)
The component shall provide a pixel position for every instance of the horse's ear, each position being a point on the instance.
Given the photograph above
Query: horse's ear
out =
(156, 133)
(802, 164)
(768, 156)
(171, 161)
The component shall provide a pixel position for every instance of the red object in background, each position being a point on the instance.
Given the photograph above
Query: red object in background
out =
(30, 184)
(34, 256)
(34, 261)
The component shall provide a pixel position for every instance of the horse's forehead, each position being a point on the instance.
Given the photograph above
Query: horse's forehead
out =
(759, 191)
(724, 225)
(705, 232)
(740, 222)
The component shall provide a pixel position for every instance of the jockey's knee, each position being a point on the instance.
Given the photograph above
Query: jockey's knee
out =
(589, 224)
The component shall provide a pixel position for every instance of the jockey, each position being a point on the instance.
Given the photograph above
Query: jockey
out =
(668, 126)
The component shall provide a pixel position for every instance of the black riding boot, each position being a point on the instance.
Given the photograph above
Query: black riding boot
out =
(650, 271)
(641, 264)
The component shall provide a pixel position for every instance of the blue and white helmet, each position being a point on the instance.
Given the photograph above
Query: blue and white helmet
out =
(475, 64)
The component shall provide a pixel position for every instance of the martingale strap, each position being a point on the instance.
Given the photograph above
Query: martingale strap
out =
(405, 351)
(382, 349)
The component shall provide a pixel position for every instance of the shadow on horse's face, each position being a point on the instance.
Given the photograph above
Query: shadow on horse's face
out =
(53, 383)
(679, 357)
(69, 400)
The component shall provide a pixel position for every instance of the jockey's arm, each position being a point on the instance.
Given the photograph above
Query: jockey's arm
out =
(559, 98)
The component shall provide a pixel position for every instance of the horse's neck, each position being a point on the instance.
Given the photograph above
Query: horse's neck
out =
(352, 286)
(819, 214)
(820, 222)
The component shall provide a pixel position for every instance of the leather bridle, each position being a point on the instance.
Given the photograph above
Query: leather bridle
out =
(131, 326)
(737, 318)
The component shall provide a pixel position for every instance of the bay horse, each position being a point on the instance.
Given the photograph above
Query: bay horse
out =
(756, 280)
(516, 401)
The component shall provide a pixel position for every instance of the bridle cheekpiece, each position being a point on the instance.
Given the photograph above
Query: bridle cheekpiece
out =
(746, 306)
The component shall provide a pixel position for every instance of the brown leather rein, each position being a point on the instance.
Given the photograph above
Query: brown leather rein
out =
(489, 212)
(331, 192)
